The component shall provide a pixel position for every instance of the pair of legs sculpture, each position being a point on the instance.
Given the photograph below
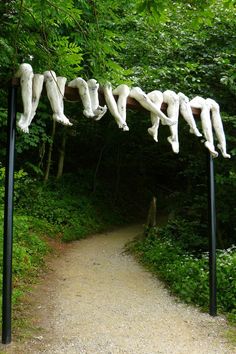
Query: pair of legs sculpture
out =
(31, 89)
(210, 114)
(32, 84)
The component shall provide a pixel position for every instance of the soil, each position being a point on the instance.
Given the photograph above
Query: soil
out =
(95, 298)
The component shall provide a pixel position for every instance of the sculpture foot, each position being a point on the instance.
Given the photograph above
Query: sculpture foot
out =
(223, 152)
(211, 148)
(195, 132)
(61, 119)
(153, 132)
(125, 128)
(23, 124)
(88, 113)
(99, 112)
(174, 145)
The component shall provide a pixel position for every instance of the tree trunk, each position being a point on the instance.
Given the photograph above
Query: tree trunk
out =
(49, 162)
(61, 155)
(152, 214)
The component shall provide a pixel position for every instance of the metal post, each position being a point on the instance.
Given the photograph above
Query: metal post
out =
(8, 218)
(212, 236)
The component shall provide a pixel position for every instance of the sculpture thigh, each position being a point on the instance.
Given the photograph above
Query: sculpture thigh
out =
(144, 100)
(157, 98)
(83, 90)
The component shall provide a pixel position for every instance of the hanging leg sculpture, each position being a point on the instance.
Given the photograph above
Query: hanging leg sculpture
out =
(83, 90)
(187, 114)
(25, 73)
(111, 103)
(61, 83)
(199, 102)
(122, 91)
(172, 99)
(145, 101)
(218, 126)
(157, 98)
(55, 97)
(37, 90)
(98, 110)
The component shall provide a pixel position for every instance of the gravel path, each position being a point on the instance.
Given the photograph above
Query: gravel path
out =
(96, 299)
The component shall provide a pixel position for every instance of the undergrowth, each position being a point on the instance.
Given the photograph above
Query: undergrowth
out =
(185, 273)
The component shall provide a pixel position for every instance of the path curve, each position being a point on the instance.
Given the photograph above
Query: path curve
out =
(97, 299)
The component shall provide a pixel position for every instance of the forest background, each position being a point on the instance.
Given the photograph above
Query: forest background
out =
(71, 181)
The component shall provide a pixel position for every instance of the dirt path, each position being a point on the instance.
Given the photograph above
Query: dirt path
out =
(96, 299)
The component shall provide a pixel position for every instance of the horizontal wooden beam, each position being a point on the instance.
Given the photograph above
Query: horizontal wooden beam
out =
(72, 94)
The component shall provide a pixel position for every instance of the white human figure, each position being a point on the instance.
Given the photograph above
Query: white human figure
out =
(157, 98)
(55, 97)
(112, 105)
(98, 110)
(83, 90)
(201, 103)
(31, 88)
(145, 101)
(25, 73)
(172, 100)
(122, 91)
(218, 126)
(187, 114)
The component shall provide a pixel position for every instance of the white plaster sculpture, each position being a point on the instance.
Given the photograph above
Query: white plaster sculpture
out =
(98, 110)
(122, 91)
(31, 88)
(113, 108)
(210, 109)
(218, 126)
(83, 90)
(172, 100)
(157, 98)
(187, 114)
(55, 92)
(145, 101)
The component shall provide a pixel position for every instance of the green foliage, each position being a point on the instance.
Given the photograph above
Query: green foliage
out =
(29, 250)
(187, 275)
(69, 206)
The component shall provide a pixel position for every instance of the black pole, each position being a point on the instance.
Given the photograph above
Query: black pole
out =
(8, 218)
(212, 237)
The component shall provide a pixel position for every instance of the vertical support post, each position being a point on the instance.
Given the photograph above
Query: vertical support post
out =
(8, 218)
(212, 237)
